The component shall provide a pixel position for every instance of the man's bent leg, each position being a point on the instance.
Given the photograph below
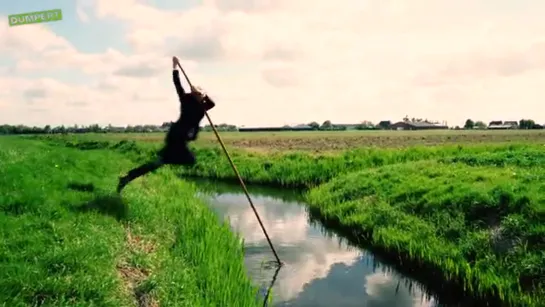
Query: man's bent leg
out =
(138, 172)
(185, 156)
(179, 154)
(188, 157)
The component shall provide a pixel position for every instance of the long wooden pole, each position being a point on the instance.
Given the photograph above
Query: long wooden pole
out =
(235, 170)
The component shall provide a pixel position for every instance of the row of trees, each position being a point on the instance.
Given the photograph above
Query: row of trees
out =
(364, 125)
(522, 124)
(368, 125)
(326, 125)
(23, 129)
(470, 124)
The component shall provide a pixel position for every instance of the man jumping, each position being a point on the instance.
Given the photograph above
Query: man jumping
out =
(185, 129)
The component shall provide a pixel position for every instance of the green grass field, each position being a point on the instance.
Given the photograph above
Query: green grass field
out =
(67, 240)
(470, 213)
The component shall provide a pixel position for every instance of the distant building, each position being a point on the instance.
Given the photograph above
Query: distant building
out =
(301, 127)
(406, 125)
(255, 129)
(500, 125)
(114, 129)
(275, 129)
(348, 126)
(495, 123)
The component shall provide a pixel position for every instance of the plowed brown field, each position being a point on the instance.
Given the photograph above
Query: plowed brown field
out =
(331, 141)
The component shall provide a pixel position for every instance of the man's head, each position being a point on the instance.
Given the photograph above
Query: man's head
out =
(197, 92)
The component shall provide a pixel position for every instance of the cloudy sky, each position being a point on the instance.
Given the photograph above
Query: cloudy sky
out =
(275, 62)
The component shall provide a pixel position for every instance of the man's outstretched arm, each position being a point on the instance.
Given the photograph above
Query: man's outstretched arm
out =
(176, 78)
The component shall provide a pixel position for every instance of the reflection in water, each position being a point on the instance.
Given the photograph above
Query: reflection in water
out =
(270, 287)
(319, 268)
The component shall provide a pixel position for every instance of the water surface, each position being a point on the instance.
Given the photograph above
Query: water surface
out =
(320, 268)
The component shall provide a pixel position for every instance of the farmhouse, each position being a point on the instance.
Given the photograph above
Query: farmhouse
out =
(406, 125)
(499, 125)
(301, 127)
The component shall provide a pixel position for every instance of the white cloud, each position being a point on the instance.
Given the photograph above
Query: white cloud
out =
(27, 43)
(281, 75)
(359, 60)
(82, 15)
(383, 290)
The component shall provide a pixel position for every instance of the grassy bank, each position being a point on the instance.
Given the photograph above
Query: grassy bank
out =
(474, 214)
(482, 226)
(294, 169)
(66, 240)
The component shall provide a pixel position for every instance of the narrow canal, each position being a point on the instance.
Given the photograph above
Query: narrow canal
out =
(320, 268)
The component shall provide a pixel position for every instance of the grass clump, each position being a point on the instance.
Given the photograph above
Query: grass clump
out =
(66, 240)
(530, 157)
(480, 226)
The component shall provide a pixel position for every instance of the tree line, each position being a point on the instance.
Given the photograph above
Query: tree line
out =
(364, 125)
(325, 126)
(521, 124)
(95, 128)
